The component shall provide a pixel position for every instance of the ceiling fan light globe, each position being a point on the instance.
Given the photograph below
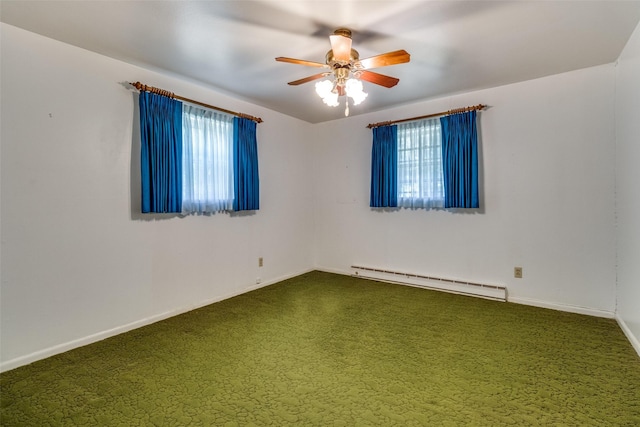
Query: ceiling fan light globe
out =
(355, 91)
(357, 99)
(324, 88)
(331, 100)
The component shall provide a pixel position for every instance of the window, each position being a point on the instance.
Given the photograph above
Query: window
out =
(194, 160)
(207, 160)
(426, 164)
(420, 177)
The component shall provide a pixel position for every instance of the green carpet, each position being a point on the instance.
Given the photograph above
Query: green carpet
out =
(328, 350)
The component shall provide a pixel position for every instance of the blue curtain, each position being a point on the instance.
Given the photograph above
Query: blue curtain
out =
(160, 153)
(460, 160)
(384, 167)
(245, 163)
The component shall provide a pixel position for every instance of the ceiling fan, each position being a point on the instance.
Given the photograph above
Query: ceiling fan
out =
(344, 65)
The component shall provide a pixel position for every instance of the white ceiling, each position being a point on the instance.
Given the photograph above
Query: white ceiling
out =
(455, 46)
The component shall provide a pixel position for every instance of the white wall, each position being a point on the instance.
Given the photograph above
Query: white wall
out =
(78, 261)
(547, 196)
(628, 187)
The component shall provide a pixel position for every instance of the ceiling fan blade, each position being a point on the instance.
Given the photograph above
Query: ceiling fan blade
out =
(385, 59)
(308, 79)
(341, 47)
(301, 62)
(379, 79)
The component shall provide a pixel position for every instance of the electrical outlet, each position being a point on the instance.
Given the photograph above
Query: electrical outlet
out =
(260, 262)
(517, 272)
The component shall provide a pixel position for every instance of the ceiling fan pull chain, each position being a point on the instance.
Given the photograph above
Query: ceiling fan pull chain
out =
(346, 108)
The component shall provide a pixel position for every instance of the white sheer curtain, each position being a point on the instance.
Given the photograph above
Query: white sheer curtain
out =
(420, 179)
(207, 161)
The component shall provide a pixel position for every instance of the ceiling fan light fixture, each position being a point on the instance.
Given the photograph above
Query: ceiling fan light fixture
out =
(324, 89)
(355, 91)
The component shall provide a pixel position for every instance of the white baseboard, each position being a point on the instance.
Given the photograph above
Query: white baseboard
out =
(80, 342)
(632, 338)
(563, 307)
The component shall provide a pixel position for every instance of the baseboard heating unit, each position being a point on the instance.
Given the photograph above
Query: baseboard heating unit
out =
(493, 292)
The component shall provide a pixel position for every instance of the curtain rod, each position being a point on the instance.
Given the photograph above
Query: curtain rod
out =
(443, 113)
(166, 93)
